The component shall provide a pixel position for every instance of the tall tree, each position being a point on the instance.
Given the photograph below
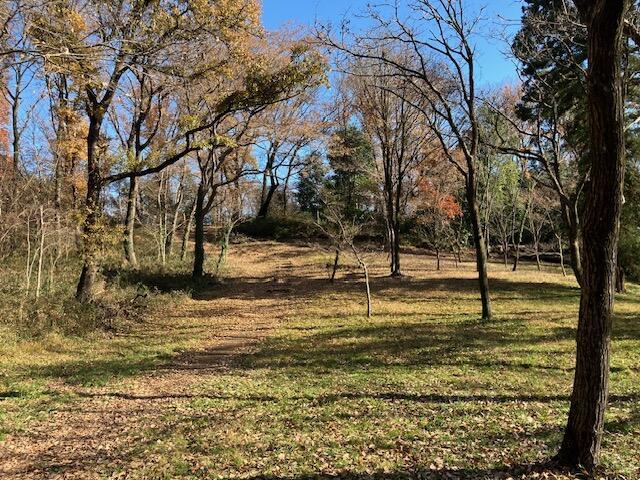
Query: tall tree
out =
(98, 43)
(442, 70)
(350, 156)
(605, 20)
(401, 142)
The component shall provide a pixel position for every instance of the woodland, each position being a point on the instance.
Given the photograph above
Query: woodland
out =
(327, 251)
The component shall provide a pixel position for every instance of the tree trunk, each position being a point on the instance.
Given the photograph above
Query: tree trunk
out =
(187, 231)
(15, 127)
(335, 265)
(129, 223)
(264, 207)
(224, 248)
(365, 271)
(40, 253)
(453, 254)
(285, 189)
(505, 252)
(536, 249)
(198, 258)
(620, 280)
(437, 259)
(583, 433)
(179, 199)
(481, 248)
(572, 220)
(85, 291)
(393, 228)
(267, 193)
(397, 272)
(561, 252)
(516, 259)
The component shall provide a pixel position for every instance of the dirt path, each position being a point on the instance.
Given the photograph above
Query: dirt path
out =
(100, 429)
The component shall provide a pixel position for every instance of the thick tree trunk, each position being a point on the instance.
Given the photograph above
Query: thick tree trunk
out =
(267, 192)
(266, 203)
(481, 249)
(583, 434)
(129, 223)
(285, 190)
(85, 291)
(198, 258)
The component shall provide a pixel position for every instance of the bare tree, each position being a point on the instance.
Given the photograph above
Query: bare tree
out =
(442, 71)
(401, 141)
(342, 231)
(542, 141)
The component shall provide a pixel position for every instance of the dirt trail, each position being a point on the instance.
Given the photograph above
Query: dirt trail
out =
(102, 427)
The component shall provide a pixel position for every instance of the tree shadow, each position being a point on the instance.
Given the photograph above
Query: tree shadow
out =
(533, 470)
(98, 372)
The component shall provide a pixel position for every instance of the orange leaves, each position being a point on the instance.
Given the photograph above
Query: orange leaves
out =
(434, 199)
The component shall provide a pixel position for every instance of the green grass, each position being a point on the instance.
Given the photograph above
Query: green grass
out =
(398, 396)
(424, 389)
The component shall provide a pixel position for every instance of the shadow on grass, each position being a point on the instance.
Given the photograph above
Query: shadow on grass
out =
(461, 288)
(98, 372)
(165, 282)
(446, 339)
(10, 394)
(540, 470)
(319, 400)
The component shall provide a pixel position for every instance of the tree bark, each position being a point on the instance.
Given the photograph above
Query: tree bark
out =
(187, 231)
(266, 203)
(505, 251)
(198, 258)
(335, 265)
(583, 433)
(561, 252)
(268, 192)
(620, 280)
(86, 285)
(481, 247)
(572, 220)
(15, 126)
(129, 223)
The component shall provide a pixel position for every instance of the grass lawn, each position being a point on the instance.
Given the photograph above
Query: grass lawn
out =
(277, 373)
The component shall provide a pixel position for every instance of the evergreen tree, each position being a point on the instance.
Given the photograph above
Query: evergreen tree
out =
(351, 160)
(309, 188)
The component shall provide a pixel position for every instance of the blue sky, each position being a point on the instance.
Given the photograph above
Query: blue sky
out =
(494, 67)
